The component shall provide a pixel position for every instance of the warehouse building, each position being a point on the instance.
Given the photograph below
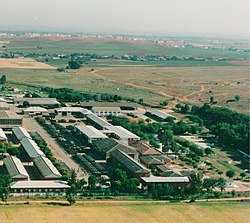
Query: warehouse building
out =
(43, 102)
(35, 111)
(9, 119)
(38, 187)
(46, 168)
(154, 160)
(15, 168)
(97, 122)
(105, 111)
(176, 182)
(72, 111)
(129, 164)
(122, 105)
(89, 133)
(120, 133)
(159, 115)
(31, 148)
(106, 146)
(20, 133)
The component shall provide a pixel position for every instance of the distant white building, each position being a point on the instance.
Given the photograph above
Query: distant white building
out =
(105, 111)
(72, 111)
(35, 111)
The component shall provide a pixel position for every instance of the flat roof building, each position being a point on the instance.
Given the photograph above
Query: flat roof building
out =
(41, 187)
(97, 122)
(35, 111)
(9, 119)
(122, 105)
(120, 133)
(15, 168)
(90, 133)
(105, 111)
(72, 111)
(4, 106)
(43, 102)
(46, 168)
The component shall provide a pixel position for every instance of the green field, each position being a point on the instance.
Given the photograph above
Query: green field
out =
(127, 213)
(111, 47)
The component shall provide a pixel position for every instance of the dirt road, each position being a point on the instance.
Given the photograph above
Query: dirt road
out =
(32, 126)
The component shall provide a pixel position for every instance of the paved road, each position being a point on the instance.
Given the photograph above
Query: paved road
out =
(32, 126)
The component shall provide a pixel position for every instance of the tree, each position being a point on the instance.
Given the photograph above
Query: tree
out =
(3, 79)
(5, 181)
(230, 173)
(243, 174)
(74, 64)
(92, 182)
(163, 103)
(196, 182)
(221, 183)
(209, 184)
(71, 199)
(140, 100)
(26, 104)
(211, 99)
(178, 106)
(208, 151)
(237, 97)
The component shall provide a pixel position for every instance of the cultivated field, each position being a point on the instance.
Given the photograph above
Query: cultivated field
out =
(24, 63)
(127, 213)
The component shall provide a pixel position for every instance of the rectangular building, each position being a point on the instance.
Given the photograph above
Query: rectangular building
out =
(31, 148)
(105, 111)
(97, 122)
(9, 119)
(20, 133)
(42, 102)
(72, 111)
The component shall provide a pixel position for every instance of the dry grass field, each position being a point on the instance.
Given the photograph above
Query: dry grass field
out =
(24, 63)
(127, 213)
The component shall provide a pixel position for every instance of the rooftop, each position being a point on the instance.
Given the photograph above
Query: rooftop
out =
(35, 109)
(94, 109)
(122, 132)
(128, 162)
(31, 148)
(90, 131)
(15, 168)
(20, 133)
(39, 184)
(108, 104)
(46, 167)
(98, 120)
(154, 179)
(37, 101)
(159, 114)
(8, 114)
(73, 109)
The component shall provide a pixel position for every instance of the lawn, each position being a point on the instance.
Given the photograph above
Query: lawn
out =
(127, 213)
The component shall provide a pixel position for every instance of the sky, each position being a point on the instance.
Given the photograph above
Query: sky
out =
(188, 17)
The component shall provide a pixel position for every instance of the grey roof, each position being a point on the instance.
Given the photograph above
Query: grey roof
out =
(108, 104)
(154, 179)
(46, 168)
(35, 109)
(90, 131)
(8, 114)
(31, 148)
(152, 160)
(122, 132)
(15, 168)
(73, 109)
(159, 114)
(108, 145)
(129, 163)
(20, 133)
(96, 109)
(39, 184)
(3, 137)
(38, 101)
(98, 120)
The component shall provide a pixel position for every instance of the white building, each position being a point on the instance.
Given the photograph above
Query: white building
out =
(31, 148)
(3, 137)
(35, 111)
(90, 133)
(105, 111)
(72, 111)
(118, 132)
(20, 133)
